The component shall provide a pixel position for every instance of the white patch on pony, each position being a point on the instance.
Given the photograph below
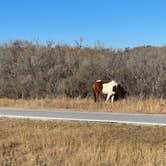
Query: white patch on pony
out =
(108, 89)
(98, 80)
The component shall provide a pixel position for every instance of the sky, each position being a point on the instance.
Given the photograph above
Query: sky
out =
(115, 23)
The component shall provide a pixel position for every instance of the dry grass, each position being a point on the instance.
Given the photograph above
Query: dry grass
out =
(26, 142)
(131, 105)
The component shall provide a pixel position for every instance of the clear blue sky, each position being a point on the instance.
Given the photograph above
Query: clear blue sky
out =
(117, 23)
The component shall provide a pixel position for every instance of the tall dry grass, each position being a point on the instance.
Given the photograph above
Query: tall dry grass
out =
(25, 142)
(131, 104)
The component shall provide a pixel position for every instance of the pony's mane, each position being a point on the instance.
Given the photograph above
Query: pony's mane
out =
(103, 81)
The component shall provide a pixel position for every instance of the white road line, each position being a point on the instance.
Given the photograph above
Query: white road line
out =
(78, 119)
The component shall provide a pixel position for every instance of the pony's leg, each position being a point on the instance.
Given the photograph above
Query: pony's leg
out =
(100, 97)
(108, 96)
(97, 97)
(112, 98)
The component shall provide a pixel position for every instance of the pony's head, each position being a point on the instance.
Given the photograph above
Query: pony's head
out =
(120, 92)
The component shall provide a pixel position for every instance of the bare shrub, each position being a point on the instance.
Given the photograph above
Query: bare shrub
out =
(31, 70)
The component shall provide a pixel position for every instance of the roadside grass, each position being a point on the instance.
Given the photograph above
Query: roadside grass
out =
(47, 143)
(130, 105)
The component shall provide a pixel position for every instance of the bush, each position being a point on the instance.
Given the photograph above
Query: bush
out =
(29, 70)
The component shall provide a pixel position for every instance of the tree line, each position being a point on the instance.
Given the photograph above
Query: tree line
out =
(32, 70)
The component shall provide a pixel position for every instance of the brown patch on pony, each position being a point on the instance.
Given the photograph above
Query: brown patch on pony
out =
(97, 88)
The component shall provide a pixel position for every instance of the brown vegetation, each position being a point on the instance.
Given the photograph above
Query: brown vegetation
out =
(130, 104)
(31, 70)
(25, 142)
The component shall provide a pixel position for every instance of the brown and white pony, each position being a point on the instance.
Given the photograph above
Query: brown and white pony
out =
(110, 88)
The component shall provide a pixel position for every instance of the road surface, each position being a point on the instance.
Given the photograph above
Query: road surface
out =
(149, 119)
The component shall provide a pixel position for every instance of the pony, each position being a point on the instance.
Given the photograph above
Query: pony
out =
(110, 88)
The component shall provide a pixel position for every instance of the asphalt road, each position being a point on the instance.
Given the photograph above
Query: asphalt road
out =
(148, 119)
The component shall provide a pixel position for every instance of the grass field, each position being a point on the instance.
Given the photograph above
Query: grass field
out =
(131, 104)
(26, 142)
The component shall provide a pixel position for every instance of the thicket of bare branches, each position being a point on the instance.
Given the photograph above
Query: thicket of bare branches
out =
(29, 70)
